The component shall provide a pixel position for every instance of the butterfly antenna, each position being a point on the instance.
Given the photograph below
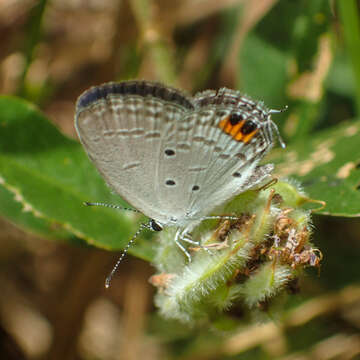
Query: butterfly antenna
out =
(126, 249)
(221, 217)
(86, 203)
(274, 111)
(281, 141)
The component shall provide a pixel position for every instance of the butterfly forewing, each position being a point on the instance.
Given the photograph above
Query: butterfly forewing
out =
(123, 136)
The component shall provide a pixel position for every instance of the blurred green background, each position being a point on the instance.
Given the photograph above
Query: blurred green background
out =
(300, 53)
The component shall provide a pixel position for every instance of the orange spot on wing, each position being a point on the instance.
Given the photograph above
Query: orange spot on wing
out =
(228, 128)
(223, 123)
(239, 137)
(248, 137)
(236, 128)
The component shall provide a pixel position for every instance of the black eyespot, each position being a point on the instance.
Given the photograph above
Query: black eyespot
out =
(195, 188)
(155, 226)
(236, 174)
(235, 118)
(170, 182)
(169, 152)
(248, 127)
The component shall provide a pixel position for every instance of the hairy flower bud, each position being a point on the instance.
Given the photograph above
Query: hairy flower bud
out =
(248, 261)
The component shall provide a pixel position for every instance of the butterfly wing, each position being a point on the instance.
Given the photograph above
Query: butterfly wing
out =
(213, 162)
(122, 127)
(172, 157)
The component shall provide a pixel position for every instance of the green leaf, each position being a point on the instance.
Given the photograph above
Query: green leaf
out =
(15, 213)
(51, 177)
(328, 166)
(341, 79)
(262, 71)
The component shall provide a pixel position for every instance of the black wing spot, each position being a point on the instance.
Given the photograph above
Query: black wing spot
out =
(236, 174)
(248, 127)
(235, 118)
(170, 182)
(169, 152)
(195, 188)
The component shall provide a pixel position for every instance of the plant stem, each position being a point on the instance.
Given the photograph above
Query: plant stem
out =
(34, 32)
(349, 14)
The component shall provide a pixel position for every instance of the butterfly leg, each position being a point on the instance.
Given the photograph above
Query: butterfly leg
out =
(186, 237)
(178, 237)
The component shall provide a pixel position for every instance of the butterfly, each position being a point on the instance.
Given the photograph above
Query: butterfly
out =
(172, 156)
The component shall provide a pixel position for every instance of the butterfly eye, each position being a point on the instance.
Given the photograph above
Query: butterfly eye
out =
(248, 127)
(235, 118)
(155, 226)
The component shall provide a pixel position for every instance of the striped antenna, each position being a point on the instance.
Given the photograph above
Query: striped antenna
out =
(128, 245)
(275, 111)
(86, 203)
(126, 249)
